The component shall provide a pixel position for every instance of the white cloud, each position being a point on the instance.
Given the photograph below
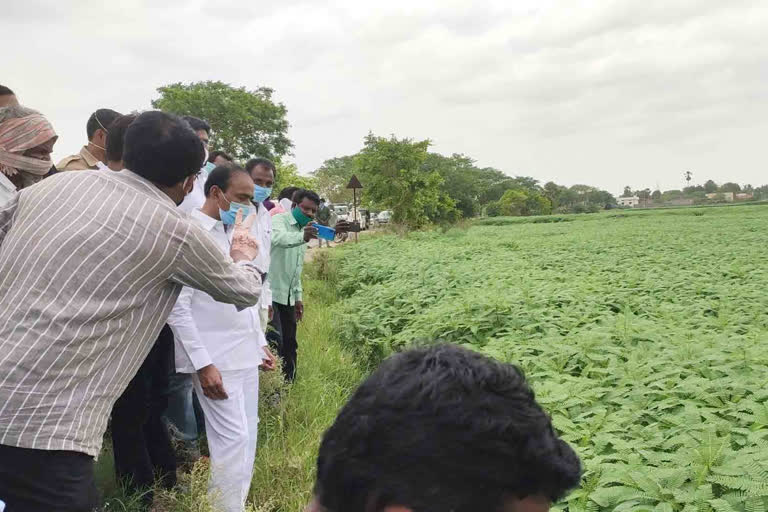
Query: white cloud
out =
(607, 93)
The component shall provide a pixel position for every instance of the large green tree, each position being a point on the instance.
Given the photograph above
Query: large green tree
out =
(288, 176)
(245, 123)
(332, 177)
(394, 178)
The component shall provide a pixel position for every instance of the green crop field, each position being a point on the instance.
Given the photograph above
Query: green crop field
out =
(644, 334)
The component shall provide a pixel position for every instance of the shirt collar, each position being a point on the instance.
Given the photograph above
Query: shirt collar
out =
(88, 157)
(145, 184)
(207, 222)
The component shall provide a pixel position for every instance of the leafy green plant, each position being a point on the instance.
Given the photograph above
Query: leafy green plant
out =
(644, 335)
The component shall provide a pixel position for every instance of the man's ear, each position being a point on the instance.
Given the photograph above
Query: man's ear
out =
(101, 135)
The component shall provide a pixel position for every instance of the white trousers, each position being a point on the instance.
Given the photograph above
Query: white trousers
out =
(231, 426)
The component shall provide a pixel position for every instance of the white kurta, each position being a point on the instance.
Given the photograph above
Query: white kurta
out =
(209, 332)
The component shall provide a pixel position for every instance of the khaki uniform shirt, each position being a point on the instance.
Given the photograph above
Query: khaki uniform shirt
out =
(79, 162)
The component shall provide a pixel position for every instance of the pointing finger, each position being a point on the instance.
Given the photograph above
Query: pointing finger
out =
(238, 218)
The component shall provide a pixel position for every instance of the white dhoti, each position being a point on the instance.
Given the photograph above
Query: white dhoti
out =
(231, 427)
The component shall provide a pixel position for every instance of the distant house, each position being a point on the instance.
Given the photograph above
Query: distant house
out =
(743, 196)
(629, 202)
(725, 196)
(680, 201)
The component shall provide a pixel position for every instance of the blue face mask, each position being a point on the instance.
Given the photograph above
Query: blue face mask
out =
(209, 166)
(260, 194)
(228, 216)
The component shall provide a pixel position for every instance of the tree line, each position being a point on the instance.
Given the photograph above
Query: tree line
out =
(418, 186)
(422, 187)
(709, 192)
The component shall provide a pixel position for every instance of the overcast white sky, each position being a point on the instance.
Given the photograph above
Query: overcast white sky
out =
(608, 93)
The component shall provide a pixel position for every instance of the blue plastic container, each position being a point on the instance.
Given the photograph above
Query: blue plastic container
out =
(325, 232)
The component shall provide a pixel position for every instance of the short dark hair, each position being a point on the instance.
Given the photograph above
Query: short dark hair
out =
(303, 193)
(253, 162)
(102, 118)
(214, 154)
(162, 148)
(116, 137)
(4, 91)
(442, 428)
(220, 176)
(287, 193)
(198, 124)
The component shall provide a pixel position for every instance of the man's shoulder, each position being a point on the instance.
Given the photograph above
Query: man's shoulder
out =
(73, 163)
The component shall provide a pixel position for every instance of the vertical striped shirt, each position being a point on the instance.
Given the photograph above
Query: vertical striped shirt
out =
(91, 264)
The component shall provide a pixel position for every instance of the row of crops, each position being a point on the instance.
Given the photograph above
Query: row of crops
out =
(645, 334)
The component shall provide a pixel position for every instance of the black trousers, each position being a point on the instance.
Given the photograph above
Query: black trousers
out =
(140, 439)
(284, 322)
(46, 480)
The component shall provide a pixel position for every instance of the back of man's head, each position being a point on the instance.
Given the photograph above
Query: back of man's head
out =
(116, 137)
(443, 428)
(198, 124)
(287, 193)
(101, 119)
(162, 148)
(213, 155)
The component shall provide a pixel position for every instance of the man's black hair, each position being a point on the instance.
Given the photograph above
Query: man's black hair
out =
(215, 154)
(198, 124)
(302, 194)
(116, 137)
(102, 118)
(220, 176)
(287, 193)
(4, 91)
(442, 428)
(253, 162)
(162, 148)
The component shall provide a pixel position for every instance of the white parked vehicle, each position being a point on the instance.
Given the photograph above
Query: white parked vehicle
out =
(384, 217)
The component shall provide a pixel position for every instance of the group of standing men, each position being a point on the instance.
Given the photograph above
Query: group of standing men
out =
(184, 329)
(102, 271)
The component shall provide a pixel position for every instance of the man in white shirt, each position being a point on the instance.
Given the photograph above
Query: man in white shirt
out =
(262, 172)
(183, 413)
(223, 349)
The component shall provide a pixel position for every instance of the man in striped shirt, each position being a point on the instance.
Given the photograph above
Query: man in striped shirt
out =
(91, 264)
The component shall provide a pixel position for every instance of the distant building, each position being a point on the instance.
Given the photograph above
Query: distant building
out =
(725, 196)
(680, 201)
(743, 196)
(629, 202)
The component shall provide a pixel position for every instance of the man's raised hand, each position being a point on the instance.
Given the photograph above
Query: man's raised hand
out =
(245, 246)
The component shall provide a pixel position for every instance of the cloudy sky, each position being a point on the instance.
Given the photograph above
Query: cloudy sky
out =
(609, 92)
